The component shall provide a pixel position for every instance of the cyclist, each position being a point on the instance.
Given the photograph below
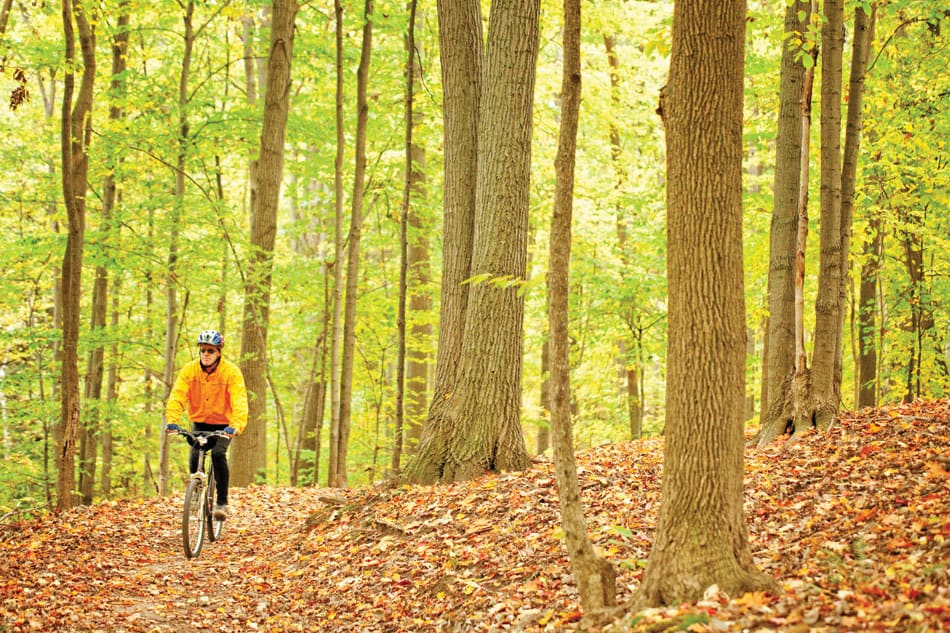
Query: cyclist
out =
(213, 390)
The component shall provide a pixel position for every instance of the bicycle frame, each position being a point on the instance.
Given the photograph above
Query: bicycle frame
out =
(197, 511)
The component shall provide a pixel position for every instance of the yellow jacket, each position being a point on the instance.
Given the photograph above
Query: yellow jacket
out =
(216, 398)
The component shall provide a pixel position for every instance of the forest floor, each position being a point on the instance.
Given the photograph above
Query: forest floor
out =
(853, 523)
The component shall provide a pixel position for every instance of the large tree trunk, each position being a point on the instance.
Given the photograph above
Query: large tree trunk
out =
(825, 382)
(76, 134)
(482, 422)
(250, 451)
(338, 475)
(460, 37)
(779, 359)
(595, 576)
(701, 537)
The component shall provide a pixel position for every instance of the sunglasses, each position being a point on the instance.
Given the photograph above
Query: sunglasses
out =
(207, 350)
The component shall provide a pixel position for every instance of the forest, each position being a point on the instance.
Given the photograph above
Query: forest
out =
(373, 216)
(463, 245)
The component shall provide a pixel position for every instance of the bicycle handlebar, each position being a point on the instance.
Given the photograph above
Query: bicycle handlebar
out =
(201, 437)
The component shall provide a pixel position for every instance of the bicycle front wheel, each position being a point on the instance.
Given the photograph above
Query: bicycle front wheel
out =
(214, 525)
(193, 518)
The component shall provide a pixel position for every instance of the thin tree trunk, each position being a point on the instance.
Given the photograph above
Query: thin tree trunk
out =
(110, 198)
(861, 44)
(395, 464)
(95, 367)
(171, 278)
(867, 311)
(800, 391)
(543, 437)
(112, 395)
(353, 251)
(595, 576)
(337, 338)
(76, 135)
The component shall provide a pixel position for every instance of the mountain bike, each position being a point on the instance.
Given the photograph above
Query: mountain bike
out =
(198, 509)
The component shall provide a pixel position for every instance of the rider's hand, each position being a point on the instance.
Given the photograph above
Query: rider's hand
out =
(172, 428)
(231, 431)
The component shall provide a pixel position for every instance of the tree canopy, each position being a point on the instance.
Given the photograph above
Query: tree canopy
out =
(618, 298)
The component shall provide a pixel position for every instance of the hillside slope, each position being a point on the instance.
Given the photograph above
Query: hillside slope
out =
(853, 523)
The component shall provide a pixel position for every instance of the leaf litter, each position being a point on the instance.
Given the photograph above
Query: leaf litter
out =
(853, 523)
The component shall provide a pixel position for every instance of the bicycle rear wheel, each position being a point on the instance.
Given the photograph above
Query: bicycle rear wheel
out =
(193, 518)
(215, 526)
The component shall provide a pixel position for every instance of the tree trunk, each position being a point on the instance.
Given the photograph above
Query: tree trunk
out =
(543, 437)
(171, 278)
(419, 352)
(826, 389)
(95, 367)
(249, 454)
(867, 310)
(399, 432)
(779, 348)
(460, 37)
(120, 47)
(863, 34)
(595, 576)
(337, 320)
(701, 537)
(482, 421)
(112, 395)
(353, 252)
(76, 135)
(913, 245)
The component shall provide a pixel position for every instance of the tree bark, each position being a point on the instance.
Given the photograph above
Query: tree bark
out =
(701, 536)
(825, 382)
(460, 37)
(595, 576)
(337, 319)
(76, 133)
(249, 454)
(95, 366)
(399, 431)
(779, 348)
(339, 477)
(483, 415)
(861, 44)
(171, 277)
(867, 314)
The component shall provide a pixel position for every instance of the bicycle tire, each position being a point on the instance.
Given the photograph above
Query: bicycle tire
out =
(193, 518)
(215, 526)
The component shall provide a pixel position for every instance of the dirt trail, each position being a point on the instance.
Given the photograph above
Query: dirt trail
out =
(130, 576)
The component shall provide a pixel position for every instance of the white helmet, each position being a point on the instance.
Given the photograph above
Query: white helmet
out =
(211, 337)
